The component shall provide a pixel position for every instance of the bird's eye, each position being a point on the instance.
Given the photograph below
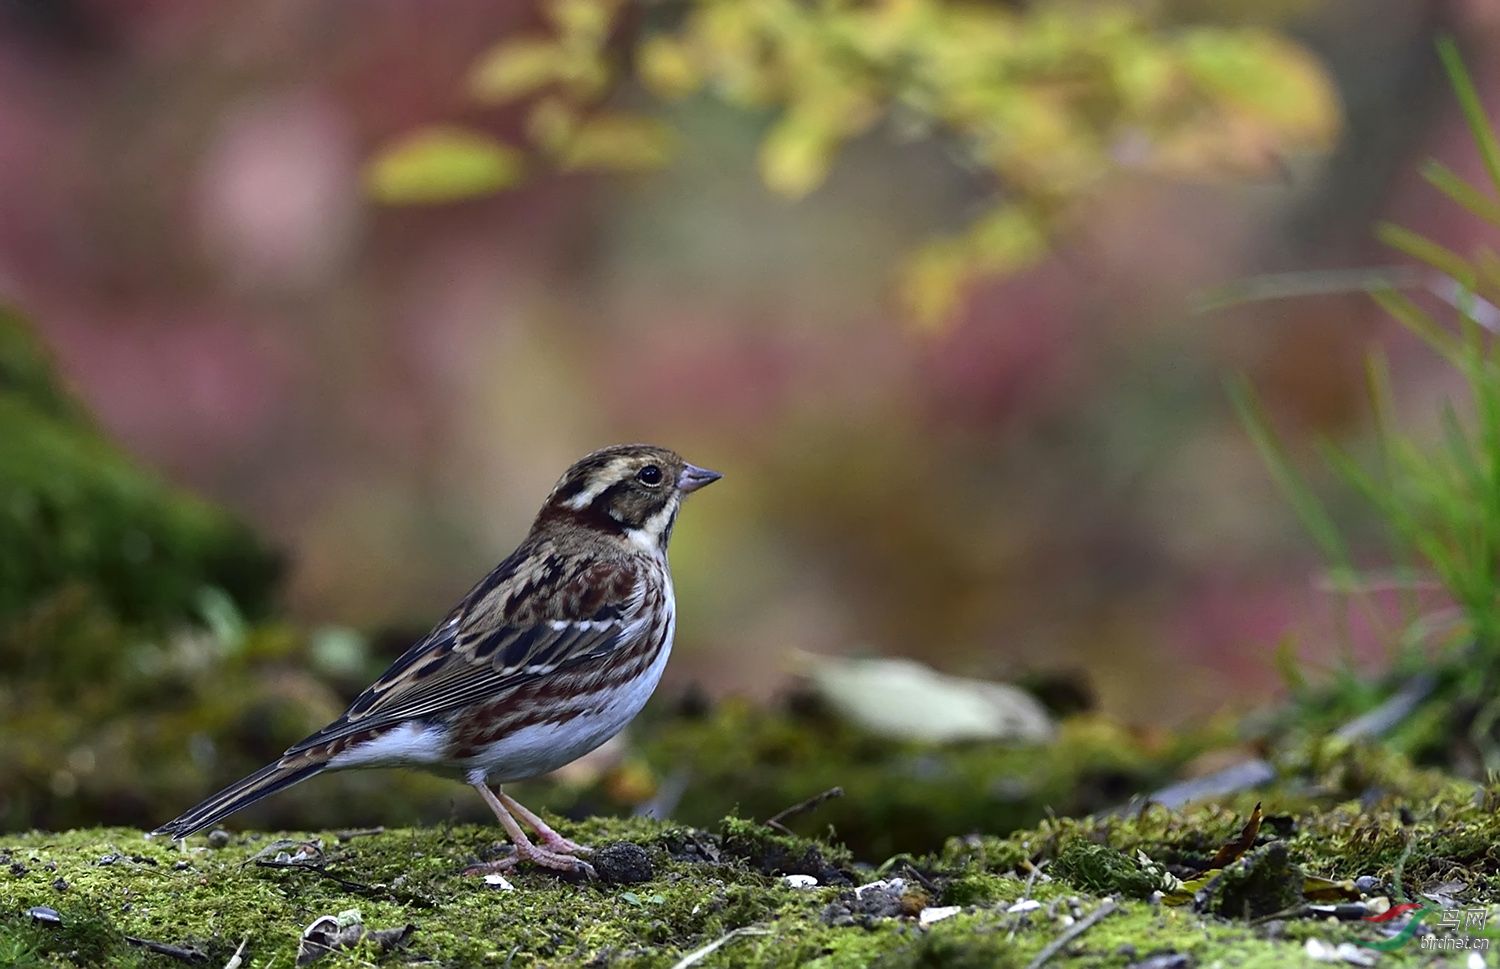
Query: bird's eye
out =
(649, 475)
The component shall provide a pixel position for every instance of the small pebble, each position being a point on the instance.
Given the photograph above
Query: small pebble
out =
(497, 880)
(935, 913)
(44, 915)
(1024, 905)
(60, 884)
(181, 865)
(1367, 884)
(218, 838)
(800, 881)
(894, 886)
(1165, 960)
(107, 860)
(1321, 951)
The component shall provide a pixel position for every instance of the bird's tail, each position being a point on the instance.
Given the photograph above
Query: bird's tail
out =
(268, 780)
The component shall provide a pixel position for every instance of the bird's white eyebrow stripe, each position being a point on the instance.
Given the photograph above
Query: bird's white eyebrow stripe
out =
(605, 477)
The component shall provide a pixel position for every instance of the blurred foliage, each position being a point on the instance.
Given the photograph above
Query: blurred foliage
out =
(77, 516)
(1439, 501)
(438, 164)
(1041, 102)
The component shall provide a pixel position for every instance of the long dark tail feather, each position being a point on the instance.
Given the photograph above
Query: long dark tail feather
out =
(242, 793)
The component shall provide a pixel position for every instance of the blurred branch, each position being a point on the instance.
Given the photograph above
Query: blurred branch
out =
(1049, 100)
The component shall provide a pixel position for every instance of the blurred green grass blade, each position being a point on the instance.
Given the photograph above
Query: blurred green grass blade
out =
(1472, 107)
(1383, 405)
(1308, 507)
(1389, 439)
(1411, 316)
(1488, 264)
(1457, 440)
(1423, 249)
(1293, 285)
(1447, 181)
(1289, 665)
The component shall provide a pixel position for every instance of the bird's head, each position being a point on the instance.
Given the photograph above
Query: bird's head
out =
(631, 490)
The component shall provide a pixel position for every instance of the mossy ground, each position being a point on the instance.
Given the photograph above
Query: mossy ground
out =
(110, 884)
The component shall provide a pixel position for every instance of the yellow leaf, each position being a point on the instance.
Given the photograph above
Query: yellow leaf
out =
(442, 164)
(618, 142)
(1268, 78)
(517, 68)
(1006, 240)
(932, 282)
(795, 155)
(667, 68)
(1315, 888)
(585, 22)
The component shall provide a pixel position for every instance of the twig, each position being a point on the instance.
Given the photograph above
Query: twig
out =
(1031, 878)
(319, 867)
(350, 835)
(919, 878)
(802, 808)
(185, 953)
(1072, 932)
(698, 955)
(235, 960)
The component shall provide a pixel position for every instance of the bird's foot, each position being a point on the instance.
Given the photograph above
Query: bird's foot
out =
(546, 857)
(552, 841)
(549, 857)
(493, 867)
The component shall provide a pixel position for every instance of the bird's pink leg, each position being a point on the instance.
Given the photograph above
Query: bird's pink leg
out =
(550, 839)
(525, 850)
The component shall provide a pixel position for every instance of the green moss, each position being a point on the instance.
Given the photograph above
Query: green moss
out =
(898, 796)
(1262, 883)
(77, 514)
(706, 883)
(1101, 869)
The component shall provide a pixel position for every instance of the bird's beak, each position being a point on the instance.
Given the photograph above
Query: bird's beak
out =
(694, 477)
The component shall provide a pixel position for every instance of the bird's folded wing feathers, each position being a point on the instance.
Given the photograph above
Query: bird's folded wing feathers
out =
(511, 628)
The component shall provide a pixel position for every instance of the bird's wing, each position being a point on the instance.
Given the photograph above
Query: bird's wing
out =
(532, 616)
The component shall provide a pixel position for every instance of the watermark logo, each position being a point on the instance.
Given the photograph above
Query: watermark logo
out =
(1459, 921)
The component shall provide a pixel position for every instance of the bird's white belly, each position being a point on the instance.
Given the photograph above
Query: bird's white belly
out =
(543, 748)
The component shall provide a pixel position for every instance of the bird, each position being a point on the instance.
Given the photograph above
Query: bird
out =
(547, 657)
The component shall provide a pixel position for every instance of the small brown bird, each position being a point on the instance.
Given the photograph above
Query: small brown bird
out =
(549, 656)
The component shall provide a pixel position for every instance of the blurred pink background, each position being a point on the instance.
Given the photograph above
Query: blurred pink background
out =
(1056, 483)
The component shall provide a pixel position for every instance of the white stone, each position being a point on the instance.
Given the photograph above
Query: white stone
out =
(935, 913)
